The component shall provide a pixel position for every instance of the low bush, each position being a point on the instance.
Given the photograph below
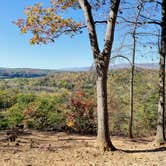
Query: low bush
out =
(3, 121)
(81, 114)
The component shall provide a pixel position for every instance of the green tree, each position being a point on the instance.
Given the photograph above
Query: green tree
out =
(15, 114)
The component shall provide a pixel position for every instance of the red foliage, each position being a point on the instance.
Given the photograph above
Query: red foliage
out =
(81, 112)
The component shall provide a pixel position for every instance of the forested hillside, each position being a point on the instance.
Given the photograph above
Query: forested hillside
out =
(66, 101)
(23, 73)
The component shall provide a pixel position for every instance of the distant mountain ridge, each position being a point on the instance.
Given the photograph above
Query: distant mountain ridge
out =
(115, 67)
(23, 72)
(154, 66)
(31, 73)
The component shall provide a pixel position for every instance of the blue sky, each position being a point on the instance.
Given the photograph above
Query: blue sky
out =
(16, 52)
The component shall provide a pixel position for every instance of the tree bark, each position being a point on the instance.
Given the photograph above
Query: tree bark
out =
(160, 135)
(102, 64)
(132, 85)
(141, 4)
(131, 102)
(103, 135)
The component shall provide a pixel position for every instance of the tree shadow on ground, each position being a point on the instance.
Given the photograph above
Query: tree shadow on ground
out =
(141, 140)
(161, 149)
(75, 139)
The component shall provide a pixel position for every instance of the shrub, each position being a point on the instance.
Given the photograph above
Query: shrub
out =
(45, 114)
(81, 114)
(15, 115)
(7, 99)
(3, 121)
(119, 123)
(25, 99)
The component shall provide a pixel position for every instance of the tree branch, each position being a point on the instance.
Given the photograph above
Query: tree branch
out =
(84, 4)
(109, 36)
(122, 56)
(140, 23)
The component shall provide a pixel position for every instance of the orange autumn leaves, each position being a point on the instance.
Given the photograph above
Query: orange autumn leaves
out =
(63, 4)
(46, 24)
(81, 114)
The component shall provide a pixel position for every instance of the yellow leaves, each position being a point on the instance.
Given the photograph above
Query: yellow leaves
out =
(37, 7)
(50, 10)
(70, 123)
(47, 19)
(44, 21)
(34, 40)
(29, 21)
(66, 4)
(47, 22)
(52, 28)
(59, 18)
(23, 30)
(67, 21)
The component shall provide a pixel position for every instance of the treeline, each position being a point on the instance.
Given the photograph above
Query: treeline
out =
(67, 102)
(23, 73)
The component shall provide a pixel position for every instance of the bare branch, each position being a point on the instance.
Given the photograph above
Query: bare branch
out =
(140, 23)
(90, 26)
(109, 36)
(121, 56)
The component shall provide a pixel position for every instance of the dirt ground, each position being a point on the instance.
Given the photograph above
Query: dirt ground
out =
(61, 149)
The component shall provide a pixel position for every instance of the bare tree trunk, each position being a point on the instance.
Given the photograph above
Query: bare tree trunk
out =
(102, 63)
(160, 135)
(131, 102)
(103, 135)
(132, 84)
(140, 6)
